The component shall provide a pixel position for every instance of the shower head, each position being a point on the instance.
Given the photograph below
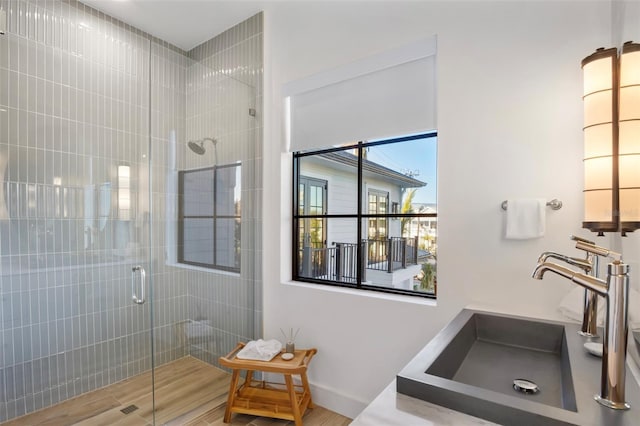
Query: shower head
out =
(198, 146)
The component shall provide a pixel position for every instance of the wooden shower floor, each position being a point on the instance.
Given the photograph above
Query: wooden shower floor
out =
(188, 392)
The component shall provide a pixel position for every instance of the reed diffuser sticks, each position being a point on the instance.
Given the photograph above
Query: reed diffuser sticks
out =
(290, 345)
(292, 335)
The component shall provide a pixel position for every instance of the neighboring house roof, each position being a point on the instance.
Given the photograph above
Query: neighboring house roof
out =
(369, 167)
(424, 207)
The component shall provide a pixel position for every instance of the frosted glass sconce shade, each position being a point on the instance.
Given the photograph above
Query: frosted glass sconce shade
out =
(612, 139)
(629, 136)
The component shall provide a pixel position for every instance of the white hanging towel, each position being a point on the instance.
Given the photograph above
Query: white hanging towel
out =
(525, 218)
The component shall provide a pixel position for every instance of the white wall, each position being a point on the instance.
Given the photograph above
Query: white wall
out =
(626, 27)
(625, 21)
(509, 123)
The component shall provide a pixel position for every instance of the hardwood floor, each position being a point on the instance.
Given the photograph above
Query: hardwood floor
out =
(188, 392)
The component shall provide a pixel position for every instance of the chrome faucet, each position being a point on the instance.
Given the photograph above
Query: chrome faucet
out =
(615, 291)
(590, 264)
(584, 264)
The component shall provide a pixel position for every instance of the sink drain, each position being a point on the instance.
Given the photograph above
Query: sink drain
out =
(525, 386)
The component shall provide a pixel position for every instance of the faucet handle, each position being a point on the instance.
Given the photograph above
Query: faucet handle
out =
(597, 250)
(576, 238)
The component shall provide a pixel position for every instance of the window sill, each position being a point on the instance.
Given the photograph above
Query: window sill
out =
(365, 293)
(201, 269)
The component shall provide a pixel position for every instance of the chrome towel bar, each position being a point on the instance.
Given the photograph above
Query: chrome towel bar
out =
(555, 204)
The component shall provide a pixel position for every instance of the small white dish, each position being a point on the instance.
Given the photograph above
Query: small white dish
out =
(594, 348)
(287, 356)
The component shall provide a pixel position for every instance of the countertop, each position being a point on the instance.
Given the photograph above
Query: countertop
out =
(394, 409)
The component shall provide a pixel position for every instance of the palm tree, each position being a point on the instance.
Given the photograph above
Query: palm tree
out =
(428, 276)
(407, 207)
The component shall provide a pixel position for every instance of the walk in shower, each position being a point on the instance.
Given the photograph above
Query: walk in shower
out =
(122, 249)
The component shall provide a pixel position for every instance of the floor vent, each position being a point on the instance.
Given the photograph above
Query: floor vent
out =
(129, 409)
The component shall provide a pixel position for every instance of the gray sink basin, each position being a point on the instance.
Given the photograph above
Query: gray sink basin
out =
(470, 366)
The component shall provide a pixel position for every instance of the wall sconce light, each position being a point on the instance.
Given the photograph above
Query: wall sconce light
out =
(612, 139)
(124, 193)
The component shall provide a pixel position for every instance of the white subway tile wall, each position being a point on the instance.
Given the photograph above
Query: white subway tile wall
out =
(74, 106)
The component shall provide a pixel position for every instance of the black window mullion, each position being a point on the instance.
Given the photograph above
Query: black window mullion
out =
(181, 216)
(295, 228)
(359, 225)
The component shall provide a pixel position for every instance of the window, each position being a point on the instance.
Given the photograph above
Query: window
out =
(312, 199)
(210, 217)
(377, 230)
(378, 202)
(366, 217)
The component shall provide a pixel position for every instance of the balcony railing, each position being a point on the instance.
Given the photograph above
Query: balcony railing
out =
(390, 254)
(339, 262)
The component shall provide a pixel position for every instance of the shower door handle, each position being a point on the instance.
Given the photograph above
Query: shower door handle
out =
(143, 276)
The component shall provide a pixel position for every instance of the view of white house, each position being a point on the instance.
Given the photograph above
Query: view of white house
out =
(393, 247)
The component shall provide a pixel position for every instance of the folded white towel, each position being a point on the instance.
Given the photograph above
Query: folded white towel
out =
(260, 350)
(525, 218)
(572, 306)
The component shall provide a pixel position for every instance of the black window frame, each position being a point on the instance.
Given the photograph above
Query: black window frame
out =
(214, 217)
(360, 216)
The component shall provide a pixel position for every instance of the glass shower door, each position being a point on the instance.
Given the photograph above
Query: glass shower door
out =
(202, 265)
(74, 223)
(95, 120)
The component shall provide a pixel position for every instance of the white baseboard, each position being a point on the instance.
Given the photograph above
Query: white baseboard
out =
(334, 400)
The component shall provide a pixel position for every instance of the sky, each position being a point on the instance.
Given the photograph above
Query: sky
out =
(418, 156)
